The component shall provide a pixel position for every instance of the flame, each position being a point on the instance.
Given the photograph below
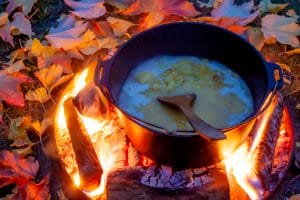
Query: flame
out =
(93, 127)
(242, 162)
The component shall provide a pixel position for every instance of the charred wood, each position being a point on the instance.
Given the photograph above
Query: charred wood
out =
(90, 170)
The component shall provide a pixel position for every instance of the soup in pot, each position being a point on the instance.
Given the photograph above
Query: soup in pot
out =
(223, 98)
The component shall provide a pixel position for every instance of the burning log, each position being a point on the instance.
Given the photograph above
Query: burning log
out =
(266, 148)
(90, 170)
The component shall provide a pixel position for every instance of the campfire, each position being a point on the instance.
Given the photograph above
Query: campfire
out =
(96, 154)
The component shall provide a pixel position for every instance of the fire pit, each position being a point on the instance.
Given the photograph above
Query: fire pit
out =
(101, 162)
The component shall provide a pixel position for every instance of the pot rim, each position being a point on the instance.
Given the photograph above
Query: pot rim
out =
(164, 131)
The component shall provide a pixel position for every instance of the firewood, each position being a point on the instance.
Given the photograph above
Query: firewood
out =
(90, 170)
(266, 148)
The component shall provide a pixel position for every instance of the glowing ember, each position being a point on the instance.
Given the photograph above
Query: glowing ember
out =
(242, 163)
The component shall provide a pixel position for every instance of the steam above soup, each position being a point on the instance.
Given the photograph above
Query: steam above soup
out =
(223, 98)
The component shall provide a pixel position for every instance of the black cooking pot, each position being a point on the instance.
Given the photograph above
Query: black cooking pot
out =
(184, 149)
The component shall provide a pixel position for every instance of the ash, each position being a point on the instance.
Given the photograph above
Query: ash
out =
(163, 177)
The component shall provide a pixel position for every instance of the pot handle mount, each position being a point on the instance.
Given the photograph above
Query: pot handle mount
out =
(101, 79)
(276, 75)
(274, 84)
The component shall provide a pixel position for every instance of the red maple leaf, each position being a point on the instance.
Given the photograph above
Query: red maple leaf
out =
(10, 90)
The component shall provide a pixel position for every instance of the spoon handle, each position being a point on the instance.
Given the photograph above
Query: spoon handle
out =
(202, 128)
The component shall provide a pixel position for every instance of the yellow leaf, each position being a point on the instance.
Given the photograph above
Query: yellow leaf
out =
(119, 26)
(268, 6)
(49, 75)
(152, 19)
(48, 51)
(39, 95)
(40, 128)
(37, 49)
(87, 36)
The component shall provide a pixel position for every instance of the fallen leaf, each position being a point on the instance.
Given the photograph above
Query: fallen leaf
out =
(101, 29)
(48, 76)
(3, 18)
(291, 13)
(74, 53)
(89, 48)
(39, 94)
(10, 90)
(108, 43)
(284, 66)
(22, 172)
(157, 9)
(22, 24)
(38, 49)
(17, 131)
(51, 77)
(89, 9)
(1, 112)
(295, 197)
(152, 19)
(284, 29)
(40, 127)
(23, 151)
(183, 8)
(241, 12)
(292, 52)
(119, 26)
(268, 6)
(36, 191)
(19, 24)
(25, 4)
(256, 37)
(120, 4)
(68, 34)
(16, 67)
(228, 23)
(14, 169)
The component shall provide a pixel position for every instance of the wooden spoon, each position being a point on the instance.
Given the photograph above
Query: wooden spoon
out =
(184, 103)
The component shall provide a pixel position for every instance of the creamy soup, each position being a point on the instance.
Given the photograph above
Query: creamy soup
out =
(223, 98)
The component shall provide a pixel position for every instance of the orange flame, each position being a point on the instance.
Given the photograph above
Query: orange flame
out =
(242, 162)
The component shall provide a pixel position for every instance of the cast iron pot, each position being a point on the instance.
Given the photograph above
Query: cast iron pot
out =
(186, 149)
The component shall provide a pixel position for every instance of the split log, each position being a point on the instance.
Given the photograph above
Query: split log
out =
(266, 148)
(90, 170)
